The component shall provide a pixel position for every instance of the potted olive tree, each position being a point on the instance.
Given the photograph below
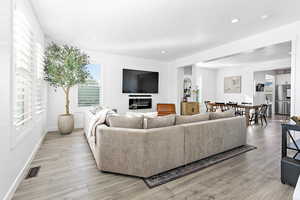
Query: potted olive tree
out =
(65, 66)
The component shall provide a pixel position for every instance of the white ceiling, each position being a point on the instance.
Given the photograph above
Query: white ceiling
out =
(143, 28)
(265, 54)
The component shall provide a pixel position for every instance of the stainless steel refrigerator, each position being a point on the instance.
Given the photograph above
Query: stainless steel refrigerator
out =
(283, 99)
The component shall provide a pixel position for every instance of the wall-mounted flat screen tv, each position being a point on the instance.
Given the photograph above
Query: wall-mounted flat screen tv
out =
(136, 81)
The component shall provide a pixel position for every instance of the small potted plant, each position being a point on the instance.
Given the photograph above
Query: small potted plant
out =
(65, 67)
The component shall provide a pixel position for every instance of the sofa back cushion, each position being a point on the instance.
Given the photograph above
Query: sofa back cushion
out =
(158, 122)
(146, 114)
(184, 119)
(219, 115)
(125, 121)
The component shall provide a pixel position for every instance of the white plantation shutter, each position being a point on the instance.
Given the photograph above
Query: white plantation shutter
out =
(100, 94)
(89, 93)
(23, 44)
(40, 103)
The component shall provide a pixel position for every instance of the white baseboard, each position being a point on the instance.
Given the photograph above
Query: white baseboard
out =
(55, 129)
(9, 195)
(52, 128)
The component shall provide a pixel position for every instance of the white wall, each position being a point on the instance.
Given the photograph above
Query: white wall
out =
(290, 32)
(13, 157)
(247, 79)
(111, 69)
(246, 94)
(260, 97)
(282, 79)
(260, 77)
(206, 80)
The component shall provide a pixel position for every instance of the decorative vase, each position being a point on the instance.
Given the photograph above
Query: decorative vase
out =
(66, 123)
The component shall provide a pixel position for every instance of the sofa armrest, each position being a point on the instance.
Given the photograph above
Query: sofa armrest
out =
(140, 152)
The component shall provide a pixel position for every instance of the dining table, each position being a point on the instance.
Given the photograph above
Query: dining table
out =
(246, 107)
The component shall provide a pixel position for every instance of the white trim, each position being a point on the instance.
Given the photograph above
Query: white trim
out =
(52, 128)
(9, 195)
(37, 100)
(293, 75)
(12, 71)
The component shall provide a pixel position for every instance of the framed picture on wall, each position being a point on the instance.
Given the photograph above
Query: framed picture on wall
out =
(232, 84)
(260, 87)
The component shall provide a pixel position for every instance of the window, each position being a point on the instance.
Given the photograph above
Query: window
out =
(29, 87)
(89, 94)
(40, 103)
(23, 44)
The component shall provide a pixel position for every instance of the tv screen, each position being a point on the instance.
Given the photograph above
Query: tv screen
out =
(136, 81)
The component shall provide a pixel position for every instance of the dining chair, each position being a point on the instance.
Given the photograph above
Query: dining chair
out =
(206, 103)
(246, 103)
(261, 114)
(221, 106)
(241, 111)
(232, 106)
(209, 108)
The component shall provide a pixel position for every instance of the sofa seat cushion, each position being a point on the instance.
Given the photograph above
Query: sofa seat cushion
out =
(158, 122)
(219, 115)
(184, 119)
(126, 121)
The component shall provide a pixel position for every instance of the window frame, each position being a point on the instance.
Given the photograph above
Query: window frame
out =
(101, 98)
(20, 132)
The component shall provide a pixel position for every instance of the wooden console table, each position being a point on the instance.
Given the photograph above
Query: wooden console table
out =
(189, 108)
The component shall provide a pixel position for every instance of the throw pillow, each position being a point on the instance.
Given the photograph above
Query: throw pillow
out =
(158, 122)
(219, 115)
(125, 121)
(184, 119)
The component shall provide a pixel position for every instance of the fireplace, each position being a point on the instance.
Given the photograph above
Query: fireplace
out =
(140, 103)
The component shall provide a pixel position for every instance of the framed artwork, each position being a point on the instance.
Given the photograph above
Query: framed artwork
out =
(260, 87)
(232, 84)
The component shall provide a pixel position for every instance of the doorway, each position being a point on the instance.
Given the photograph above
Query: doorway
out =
(273, 87)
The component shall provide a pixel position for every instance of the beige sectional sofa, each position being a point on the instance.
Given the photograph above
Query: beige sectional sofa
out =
(146, 152)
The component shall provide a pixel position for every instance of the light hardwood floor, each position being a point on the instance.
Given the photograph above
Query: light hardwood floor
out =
(68, 171)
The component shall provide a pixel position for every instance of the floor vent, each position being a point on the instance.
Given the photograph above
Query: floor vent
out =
(33, 172)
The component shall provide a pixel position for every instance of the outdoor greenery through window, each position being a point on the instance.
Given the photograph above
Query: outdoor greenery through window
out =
(89, 93)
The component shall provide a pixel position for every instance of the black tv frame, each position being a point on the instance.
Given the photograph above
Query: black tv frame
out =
(125, 92)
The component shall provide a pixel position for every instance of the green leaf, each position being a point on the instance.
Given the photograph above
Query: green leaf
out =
(65, 66)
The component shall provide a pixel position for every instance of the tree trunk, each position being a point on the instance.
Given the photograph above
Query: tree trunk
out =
(67, 101)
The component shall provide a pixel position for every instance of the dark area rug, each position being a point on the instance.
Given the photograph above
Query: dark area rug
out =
(176, 173)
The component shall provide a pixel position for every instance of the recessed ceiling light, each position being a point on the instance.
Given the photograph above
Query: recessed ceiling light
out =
(163, 51)
(264, 16)
(235, 20)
